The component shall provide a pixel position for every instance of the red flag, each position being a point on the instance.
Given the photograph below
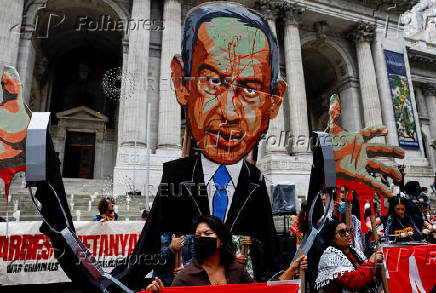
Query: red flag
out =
(411, 268)
(248, 288)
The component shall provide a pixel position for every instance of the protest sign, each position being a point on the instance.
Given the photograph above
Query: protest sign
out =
(27, 256)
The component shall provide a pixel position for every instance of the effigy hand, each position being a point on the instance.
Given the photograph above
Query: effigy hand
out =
(355, 157)
(14, 119)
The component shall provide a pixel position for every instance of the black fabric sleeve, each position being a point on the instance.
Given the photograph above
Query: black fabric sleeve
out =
(267, 254)
(53, 214)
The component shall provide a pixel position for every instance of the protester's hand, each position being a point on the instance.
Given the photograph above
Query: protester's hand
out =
(178, 270)
(155, 285)
(354, 156)
(242, 259)
(295, 266)
(303, 264)
(246, 240)
(378, 221)
(103, 219)
(299, 264)
(376, 257)
(426, 231)
(177, 243)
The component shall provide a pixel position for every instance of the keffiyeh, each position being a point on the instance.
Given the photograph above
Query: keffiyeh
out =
(334, 263)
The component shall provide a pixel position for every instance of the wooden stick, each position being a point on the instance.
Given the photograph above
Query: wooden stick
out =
(348, 219)
(302, 274)
(377, 245)
(186, 143)
(244, 250)
(178, 259)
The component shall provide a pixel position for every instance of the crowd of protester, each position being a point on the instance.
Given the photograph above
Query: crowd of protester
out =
(342, 258)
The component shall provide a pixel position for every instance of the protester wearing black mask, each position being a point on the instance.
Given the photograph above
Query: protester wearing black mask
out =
(214, 261)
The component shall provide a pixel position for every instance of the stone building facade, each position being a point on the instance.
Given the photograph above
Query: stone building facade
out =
(102, 67)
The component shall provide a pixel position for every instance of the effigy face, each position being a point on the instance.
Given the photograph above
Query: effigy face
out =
(14, 120)
(228, 96)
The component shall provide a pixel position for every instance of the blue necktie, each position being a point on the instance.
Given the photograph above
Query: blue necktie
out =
(221, 179)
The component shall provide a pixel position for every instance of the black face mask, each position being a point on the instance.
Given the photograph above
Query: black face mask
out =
(204, 247)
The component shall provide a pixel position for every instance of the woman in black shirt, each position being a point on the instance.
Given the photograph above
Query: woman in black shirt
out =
(400, 226)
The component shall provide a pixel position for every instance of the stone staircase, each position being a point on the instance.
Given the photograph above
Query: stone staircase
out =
(83, 196)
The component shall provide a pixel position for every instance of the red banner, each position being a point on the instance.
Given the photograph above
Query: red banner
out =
(249, 288)
(411, 268)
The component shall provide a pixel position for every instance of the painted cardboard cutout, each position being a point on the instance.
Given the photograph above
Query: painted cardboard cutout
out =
(355, 159)
(226, 79)
(14, 119)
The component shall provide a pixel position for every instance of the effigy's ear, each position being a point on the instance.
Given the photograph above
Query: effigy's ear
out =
(277, 99)
(178, 76)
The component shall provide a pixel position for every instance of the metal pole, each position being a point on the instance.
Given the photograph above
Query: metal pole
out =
(134, 155)
(302, 274)
(147, 158)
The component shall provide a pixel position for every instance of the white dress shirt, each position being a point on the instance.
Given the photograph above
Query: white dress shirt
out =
(209, 169)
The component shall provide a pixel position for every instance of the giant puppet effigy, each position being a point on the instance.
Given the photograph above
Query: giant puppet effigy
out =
(227, 80)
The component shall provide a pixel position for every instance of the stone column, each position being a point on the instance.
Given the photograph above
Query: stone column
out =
(129, 172)
(420, 101)
(169, 110)
(276, 138)
(26, 63)
(270, 11)
(384, 90)
(362, 36)
(135, 98)
(125, 79)
(11, 14)
(350, 106)
(429, 91)
(295, 79)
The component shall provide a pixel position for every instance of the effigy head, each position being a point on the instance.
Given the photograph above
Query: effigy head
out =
(227, 79)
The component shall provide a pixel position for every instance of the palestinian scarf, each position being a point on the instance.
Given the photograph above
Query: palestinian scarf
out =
(334, 263)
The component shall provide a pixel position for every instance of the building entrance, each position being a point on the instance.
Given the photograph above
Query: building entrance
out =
(79, 155)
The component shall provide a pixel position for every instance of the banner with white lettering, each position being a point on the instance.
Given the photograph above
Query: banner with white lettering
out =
(26, 255)
(411, 268)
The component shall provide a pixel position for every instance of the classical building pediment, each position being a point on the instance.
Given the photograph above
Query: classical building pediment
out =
(82, 113)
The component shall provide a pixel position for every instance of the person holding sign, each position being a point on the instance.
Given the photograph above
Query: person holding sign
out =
(401, 227)
(344, 267)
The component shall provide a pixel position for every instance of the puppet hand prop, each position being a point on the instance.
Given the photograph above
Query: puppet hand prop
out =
(14, 119)
(355, 157)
